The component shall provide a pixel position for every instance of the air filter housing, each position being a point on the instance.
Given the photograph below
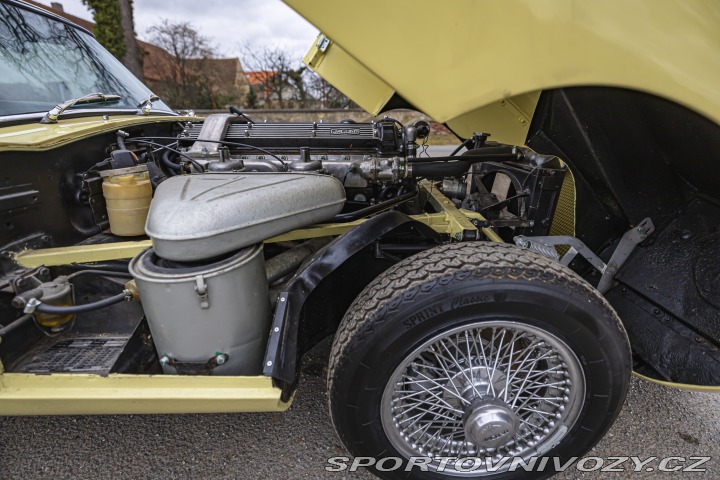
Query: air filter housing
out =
(196, 217)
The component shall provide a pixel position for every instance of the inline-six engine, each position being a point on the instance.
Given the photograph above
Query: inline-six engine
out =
(218, 198)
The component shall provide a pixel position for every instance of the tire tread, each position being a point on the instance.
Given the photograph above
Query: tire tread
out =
(441, 265)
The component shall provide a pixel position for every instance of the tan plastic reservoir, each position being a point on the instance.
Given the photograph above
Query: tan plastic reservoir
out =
(128, 199)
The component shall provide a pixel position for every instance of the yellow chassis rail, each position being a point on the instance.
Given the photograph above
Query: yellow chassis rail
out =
(57, 394)
(449, 220)
(28, 394)
(75, 394)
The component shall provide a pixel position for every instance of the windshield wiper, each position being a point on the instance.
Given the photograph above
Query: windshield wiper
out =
(52, 115)
(146, 105)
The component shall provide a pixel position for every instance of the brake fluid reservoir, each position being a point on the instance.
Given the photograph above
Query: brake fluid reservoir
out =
(128, 200)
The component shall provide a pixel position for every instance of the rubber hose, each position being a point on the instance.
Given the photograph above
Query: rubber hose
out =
(169, 163)
(108, 273)
(372, 209)
(88, 307)
(438, 170)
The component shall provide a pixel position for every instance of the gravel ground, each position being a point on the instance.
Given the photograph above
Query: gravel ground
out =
(295, 444)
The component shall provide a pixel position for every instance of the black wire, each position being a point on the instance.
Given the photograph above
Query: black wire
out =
(98, 165)
(392, 120)
(167, 147)
(460, 147)
(222, 142)
(530, 175)
(424, 146)
(237, 111)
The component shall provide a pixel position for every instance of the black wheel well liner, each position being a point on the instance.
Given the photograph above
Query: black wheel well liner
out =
(312, 304)
(633, 155)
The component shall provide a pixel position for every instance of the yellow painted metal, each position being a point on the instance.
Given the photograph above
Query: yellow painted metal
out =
(477, 53)
(347, 74)
(80, 254)
(36, 136)
(449, 220)
(508, 120)
(681, 386)
(458, 223)
(317, 231)
(458, 220)
(73, 394)
(488, 232)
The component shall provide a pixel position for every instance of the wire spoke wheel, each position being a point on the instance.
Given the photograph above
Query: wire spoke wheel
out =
(488, 389)
(466, 358)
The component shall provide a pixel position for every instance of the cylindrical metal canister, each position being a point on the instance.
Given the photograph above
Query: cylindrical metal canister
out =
(208, 319)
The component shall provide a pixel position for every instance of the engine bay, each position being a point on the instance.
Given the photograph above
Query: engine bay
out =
(238, 215)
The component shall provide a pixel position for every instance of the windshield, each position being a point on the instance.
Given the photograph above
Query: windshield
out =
(44, 62)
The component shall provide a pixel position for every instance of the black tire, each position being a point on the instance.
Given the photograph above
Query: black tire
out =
(458, 284)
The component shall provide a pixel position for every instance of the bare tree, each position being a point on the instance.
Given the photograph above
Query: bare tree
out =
(281, 78)
(327, 96)
(185, 82)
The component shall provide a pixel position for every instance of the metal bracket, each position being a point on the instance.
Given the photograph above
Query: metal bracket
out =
(196, 368)
(276, 333)
(628, 242)
(322, 43)
(541, 245)
(507, 222)
(213, 128)
(202, 292)
(31, 305)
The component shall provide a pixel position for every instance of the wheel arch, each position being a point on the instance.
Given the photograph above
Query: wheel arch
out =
(632, 154)
(340, 271)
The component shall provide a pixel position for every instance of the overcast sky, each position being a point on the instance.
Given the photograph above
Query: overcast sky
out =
(228, 24)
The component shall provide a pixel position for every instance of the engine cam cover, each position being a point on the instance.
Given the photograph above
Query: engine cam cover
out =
(196, 217)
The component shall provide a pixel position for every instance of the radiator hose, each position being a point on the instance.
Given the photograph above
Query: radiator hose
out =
(437, 168)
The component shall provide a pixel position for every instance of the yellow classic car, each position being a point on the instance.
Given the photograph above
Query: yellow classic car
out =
(487, 304)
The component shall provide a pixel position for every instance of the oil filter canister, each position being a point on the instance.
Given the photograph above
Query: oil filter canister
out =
(210, 318)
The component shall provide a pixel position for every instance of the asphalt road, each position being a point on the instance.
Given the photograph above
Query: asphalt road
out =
(296, 444)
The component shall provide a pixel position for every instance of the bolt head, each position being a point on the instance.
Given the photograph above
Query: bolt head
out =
(164, 360)
(220, 359)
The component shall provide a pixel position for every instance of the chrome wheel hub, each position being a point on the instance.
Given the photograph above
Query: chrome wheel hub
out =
(488, 389)
(490, 424)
